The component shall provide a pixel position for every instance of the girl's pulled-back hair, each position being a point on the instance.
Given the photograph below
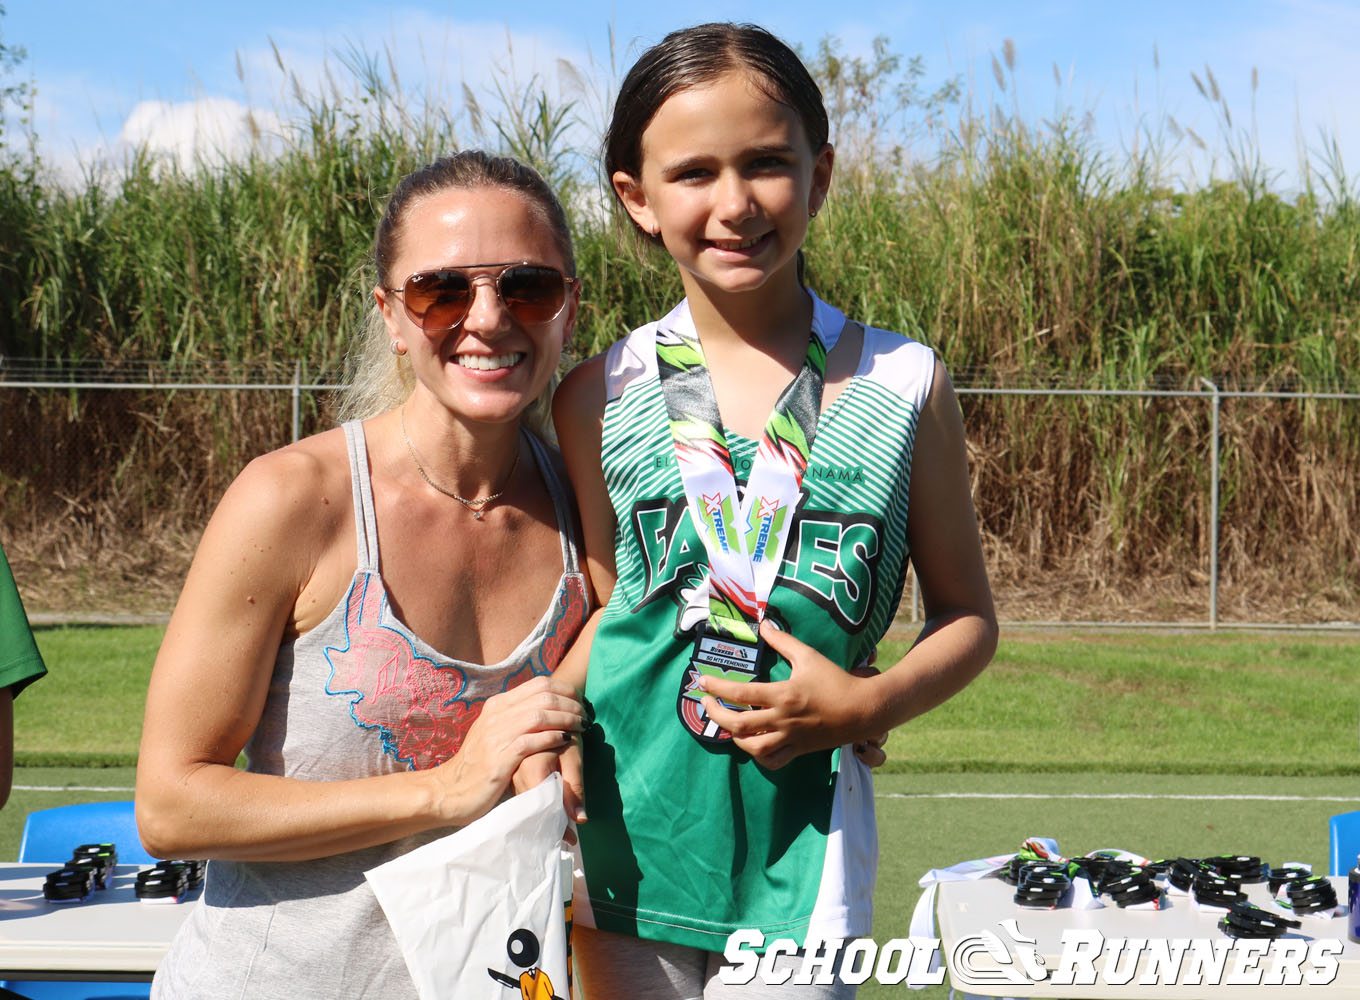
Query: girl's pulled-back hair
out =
(379, 380)
(691, 57)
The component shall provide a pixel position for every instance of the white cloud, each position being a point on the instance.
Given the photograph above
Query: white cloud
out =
(198, 132)
(420, 59)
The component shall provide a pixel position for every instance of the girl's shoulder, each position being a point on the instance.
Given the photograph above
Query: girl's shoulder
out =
(889, 348)
(605, 377)
(891, 360)
(898, 364)
(630, 359)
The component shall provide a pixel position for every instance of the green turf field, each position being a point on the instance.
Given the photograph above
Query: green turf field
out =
(1159, 744)
(1188, 703)
(88, 709)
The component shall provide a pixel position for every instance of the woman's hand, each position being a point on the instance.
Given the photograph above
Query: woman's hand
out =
(532, 722)
(819, 706)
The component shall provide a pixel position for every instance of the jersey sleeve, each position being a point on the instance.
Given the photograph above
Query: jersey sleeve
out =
(20, 662)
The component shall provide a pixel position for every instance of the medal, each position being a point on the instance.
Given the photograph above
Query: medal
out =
(743, 535)
(716, 655)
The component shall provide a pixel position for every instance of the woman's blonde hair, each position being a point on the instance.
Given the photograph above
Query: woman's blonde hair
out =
(379, 380)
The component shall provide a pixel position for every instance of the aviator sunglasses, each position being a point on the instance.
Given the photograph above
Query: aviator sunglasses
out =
(440, 299)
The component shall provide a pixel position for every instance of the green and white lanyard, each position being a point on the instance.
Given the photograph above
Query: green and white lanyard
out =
(744, 537)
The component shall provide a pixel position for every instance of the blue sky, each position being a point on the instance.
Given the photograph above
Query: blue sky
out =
(110, 73)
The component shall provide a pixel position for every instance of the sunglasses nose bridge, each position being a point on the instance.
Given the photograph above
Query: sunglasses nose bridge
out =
(487, 311)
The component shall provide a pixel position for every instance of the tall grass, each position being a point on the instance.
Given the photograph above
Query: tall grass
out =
(1023, 251)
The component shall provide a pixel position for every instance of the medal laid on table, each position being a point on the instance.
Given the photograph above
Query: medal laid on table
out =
(744, 536)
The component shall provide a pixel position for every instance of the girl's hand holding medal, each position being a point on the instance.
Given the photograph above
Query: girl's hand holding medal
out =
(819, 706)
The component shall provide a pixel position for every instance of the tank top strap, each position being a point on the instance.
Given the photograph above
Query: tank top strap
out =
(365, 518)
(563, 503)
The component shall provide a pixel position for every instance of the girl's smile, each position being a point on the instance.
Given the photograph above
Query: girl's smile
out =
(740, 248)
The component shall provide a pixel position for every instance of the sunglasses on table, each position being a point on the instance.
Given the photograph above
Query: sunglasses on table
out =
(440, 299)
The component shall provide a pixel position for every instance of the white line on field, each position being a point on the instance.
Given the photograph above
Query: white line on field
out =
(69, 788)
(1113, 795)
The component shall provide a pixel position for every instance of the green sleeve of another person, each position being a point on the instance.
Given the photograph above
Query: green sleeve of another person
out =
(20, 662)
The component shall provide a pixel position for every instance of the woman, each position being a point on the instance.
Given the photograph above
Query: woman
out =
(372, 612)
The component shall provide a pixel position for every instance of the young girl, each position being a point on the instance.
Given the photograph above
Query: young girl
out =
(744, 471)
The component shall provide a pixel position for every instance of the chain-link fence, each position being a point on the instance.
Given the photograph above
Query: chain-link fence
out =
(1298, 480)
(1185, 502)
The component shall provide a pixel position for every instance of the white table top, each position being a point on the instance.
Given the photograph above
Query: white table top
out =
(111, 932)
(967, 909)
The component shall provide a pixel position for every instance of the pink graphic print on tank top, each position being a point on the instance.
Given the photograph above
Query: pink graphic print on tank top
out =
(423, 709)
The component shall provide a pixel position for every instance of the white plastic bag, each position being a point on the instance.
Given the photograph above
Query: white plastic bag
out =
(479, 913)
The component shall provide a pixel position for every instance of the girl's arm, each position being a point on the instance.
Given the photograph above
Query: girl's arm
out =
(212, 675)
(821, 705)
(578, 414)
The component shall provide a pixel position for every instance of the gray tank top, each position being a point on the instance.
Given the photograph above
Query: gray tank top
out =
(359, 695)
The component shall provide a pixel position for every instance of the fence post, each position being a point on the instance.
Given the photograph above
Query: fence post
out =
(1213, 503)
(297, 401)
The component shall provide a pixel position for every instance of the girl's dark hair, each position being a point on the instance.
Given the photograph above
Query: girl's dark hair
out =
(694, 56)
(470, 168)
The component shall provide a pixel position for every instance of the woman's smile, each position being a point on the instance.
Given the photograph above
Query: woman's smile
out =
(489, 362)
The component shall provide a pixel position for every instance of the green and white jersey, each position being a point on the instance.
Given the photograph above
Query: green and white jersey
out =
(688, 842)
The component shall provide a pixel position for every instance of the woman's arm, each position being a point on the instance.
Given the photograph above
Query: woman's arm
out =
(208, 688)
(823, 706)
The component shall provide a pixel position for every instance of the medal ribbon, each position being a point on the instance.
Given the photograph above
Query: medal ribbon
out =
(745, 539)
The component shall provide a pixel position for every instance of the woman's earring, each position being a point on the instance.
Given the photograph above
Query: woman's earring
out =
(812, 213)
(397, 348)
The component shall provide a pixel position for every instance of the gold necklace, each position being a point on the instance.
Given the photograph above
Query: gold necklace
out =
(477, 505)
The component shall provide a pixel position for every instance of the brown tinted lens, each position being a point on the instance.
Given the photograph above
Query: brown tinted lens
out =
(437, 300)
(533, 294)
